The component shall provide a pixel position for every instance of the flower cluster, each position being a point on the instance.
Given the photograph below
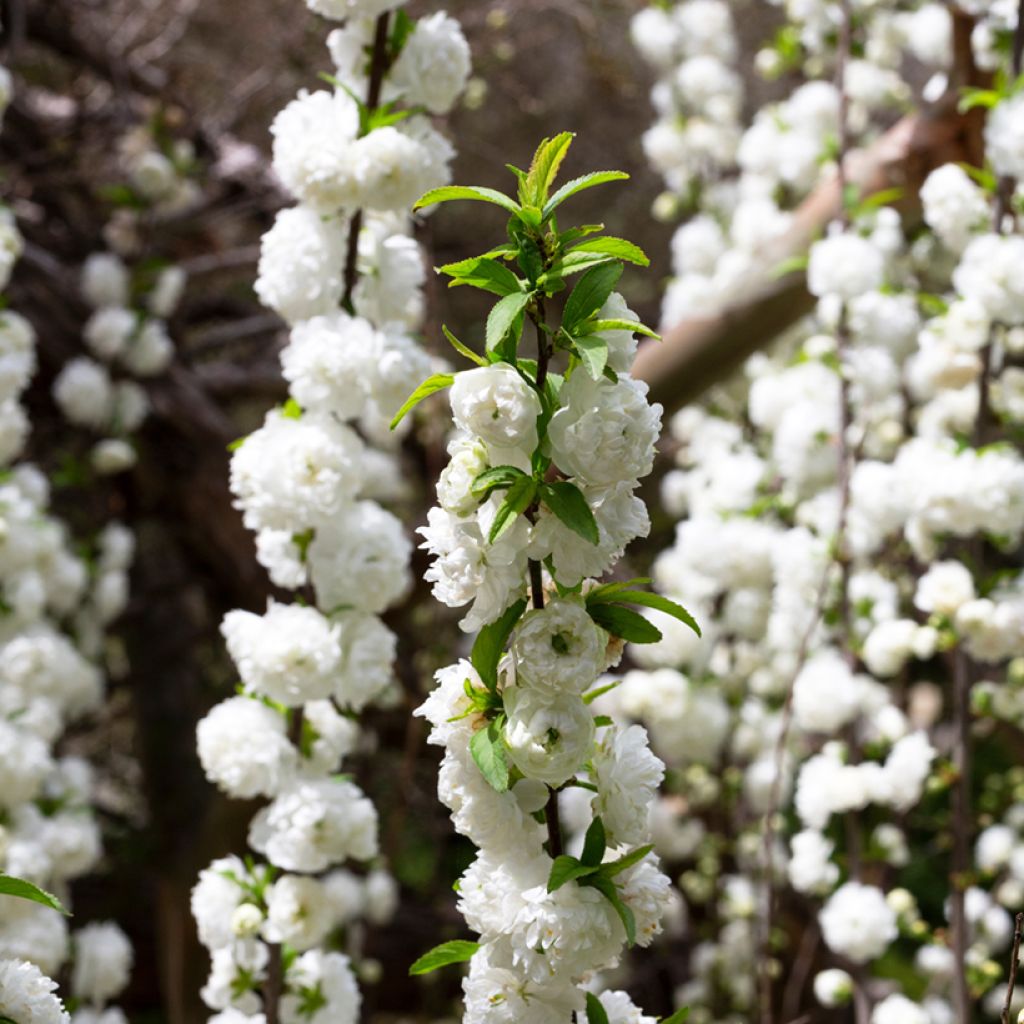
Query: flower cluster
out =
(852, 509)
(55, 609)
(343, 271)
(537, 500)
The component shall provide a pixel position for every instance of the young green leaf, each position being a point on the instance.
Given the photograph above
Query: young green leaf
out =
(617, 247)
(626, 861)
(574, 262)
(455, 952)
(590, 294)
(437, 382)
(482, 272)
(11, 886)
(490, 643)
(650, 600)
(501, 318)
(606, 887)
(567, 869)
(596, 1013)
(591, 695)
(681, 1016)
(570, 188)
(488, 749)
(493, 479)
(593, 352)
(517, 501)
(567, 502)
(291, 410)
(462, 349)
(594, 844)
(599, 326)
(544, 168)
(624, 623)
(450, 192)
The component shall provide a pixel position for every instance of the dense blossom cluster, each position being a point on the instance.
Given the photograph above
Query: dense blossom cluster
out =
(55, 608)
(852, 506)
(538, 499)
(343, 271)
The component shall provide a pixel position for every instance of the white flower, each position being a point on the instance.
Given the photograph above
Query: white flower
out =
(291, 654)
(151, 350)
(845, 265)
(27, 996)
(108, 331)
(29, 931)
(833, 987)
(446, 704)
(495, 404)
(243, 748)
(330, 977)
(368, 654)
(387, 168)
(944, 588)
(297, 912)
(301, 259)
(994, 847)
(810, 867)
(103, 960)
(645, 890)
(559, 647)
(326, 362)
(434, 63)
(954, 206)
(166, 294)
(989, 274)
(1004, 137)
(856, 922)
(216, 897)
(898, 1009)
(826, 694)
(619, 1009)
(359, 558)
(313, 141)
(313, 824)
(906, 769)
(627, 776)
(468, 459)
(112, 455)
(604, 433)
(498, 995)
(549, 736)
(295, 473)
(17, 354)
(342, 10)
(84, 393)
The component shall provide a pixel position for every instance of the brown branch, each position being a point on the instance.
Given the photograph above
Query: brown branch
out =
(1018, 924)
(703, 350)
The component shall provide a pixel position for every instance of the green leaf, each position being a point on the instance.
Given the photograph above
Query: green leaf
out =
(570, 188)
(490, 643)
(574, 262)
(566, 500)
(237, 443)
(11, 886)
(602, 720)
(981, 176)
(488, 749)
(591, 695)
(517, 501)
(437, 382)
(593, 353)
(291, 410)
(971, 98)
(596, 1013)
(606, 887)
(502, 317)
(567, 869)
(620, 248)
(624, 623)
(590, 294)
(594, 844)
(790, 266)
(494, 478)
(455, 952)
(649, 600)
(483, 272)
(544, 168)
(601, 592)
(679, 1017)
(462, 349)
(633, 326)
(450, 192)
(879, 199)
(627, 861)
(400, 32)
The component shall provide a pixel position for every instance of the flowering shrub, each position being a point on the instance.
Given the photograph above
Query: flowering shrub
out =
(852, 509)
(538, 500)
(341, 268)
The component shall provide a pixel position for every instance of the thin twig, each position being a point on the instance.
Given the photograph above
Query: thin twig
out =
(1018, 924)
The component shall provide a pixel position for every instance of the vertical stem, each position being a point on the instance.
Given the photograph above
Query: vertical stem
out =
(379, 64)
(961, 808)
(1018, 924)
(274, 985)
(554, 822)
